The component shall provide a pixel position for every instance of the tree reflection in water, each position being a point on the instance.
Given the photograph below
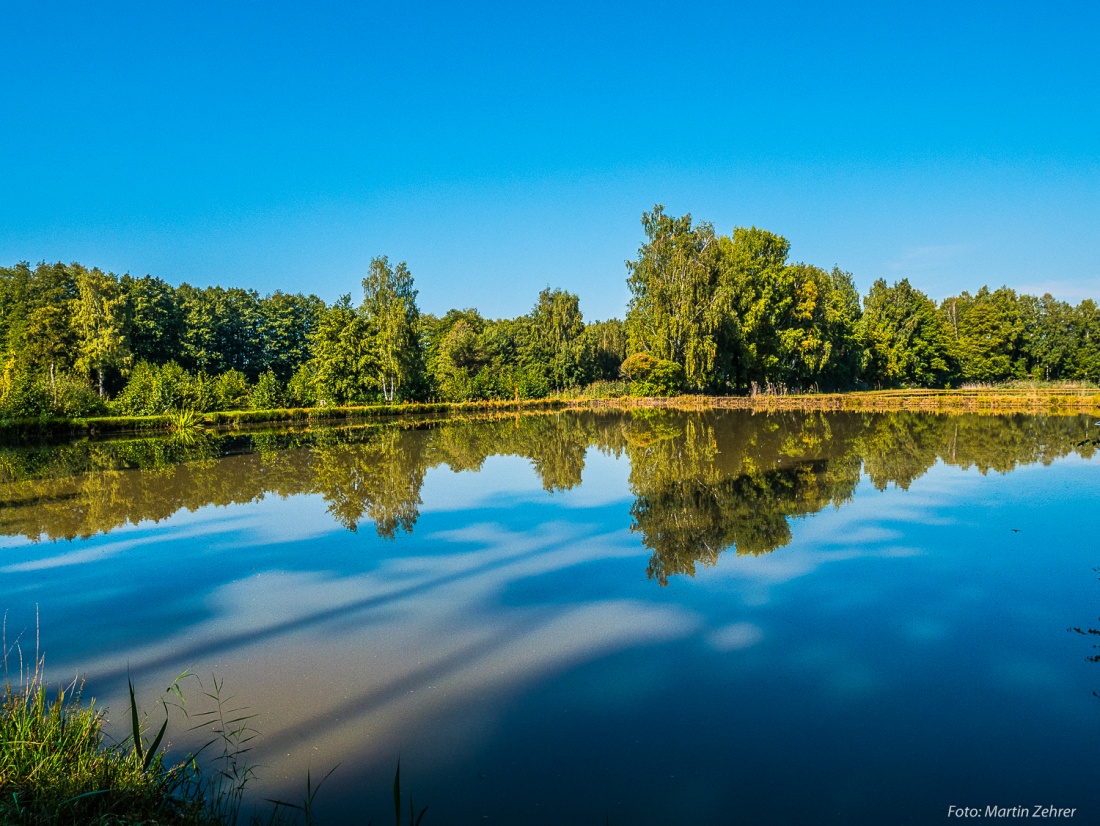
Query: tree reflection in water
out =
(703, 483)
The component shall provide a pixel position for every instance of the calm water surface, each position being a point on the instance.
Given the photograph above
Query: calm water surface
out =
(657, 619)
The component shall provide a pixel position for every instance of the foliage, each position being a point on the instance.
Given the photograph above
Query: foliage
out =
(677, 301)
(266, 395)
(391, 319)
(732, 312)
(301, 389)
(986, 335)
(556, 352)
(651, 376)
(907, 341)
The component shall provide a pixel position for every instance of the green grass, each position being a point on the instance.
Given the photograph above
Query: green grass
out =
(58, 767)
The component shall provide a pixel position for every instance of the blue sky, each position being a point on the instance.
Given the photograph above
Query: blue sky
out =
(502, 148)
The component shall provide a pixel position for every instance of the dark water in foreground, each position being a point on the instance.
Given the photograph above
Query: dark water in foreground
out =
(656, 619)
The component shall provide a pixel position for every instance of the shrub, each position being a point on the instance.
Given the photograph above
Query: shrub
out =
(651, 376)
(266, 395)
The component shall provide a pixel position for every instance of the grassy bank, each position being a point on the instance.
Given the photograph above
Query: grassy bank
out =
(59, 768)
(994, 400)
(232, 419)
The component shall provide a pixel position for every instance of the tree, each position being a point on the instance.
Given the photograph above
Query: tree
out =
(99, 318)
(986, 334)
(392, 319)
(649, 376)
(1086, 358)
(455, 353)
(153, 319)
(341, 357)
(677, 303)
(753, 264)
(1050, 333)
(555, 350)
(906, 339)
(286, 322)
(609, 346)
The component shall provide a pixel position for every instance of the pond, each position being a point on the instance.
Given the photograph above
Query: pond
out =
(647, 618)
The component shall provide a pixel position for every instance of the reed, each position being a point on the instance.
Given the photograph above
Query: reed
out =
(58, 767)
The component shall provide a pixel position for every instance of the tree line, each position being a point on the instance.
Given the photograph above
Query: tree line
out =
(708, 313)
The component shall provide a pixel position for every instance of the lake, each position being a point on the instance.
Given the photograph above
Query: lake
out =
(581, 618)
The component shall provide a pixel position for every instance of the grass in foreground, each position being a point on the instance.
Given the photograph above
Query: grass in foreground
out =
(59, 768)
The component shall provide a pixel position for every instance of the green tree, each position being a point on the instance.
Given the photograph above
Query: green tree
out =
(1050, 335)
(907, 341)
(1086, 357)
(758, 289)
(608, 343)
(986, 334)
(455, 353)
(392, 319)
(341, 356)
(99, 317)
(677, 302)
(285, 325)
(649, 376)
(153, 320)
(555, 350)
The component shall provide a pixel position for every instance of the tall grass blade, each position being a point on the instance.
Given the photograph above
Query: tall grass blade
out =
(135, 722)
(156, 744)
(397, 793)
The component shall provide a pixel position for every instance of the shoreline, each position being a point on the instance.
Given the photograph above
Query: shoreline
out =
(988, 401)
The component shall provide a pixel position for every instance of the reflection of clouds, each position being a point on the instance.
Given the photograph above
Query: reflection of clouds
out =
(873, 525)
(500, 479)
(736, 637)
(293, 519)
(263, 522)
(103, 547)
(351, 665)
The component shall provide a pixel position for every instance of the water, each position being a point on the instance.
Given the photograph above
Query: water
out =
(661, 618)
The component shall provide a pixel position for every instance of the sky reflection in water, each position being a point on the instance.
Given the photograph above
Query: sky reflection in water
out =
(896, 651)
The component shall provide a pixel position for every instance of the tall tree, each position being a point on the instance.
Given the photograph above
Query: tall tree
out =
(99, 317)
(1050, 333)
(154, 322)
(677, 303)
(341, 360)
(1086, 357)
(393, 321)
(986, 334)
(286, 322)
(556, 350)
(907, 340)
(757, 292)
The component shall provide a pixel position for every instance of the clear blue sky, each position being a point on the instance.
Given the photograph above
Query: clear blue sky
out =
(501, 148)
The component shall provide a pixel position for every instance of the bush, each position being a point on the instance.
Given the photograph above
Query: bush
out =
(153, 390)
(266, 395)
(26, 396)
(300, 390)
(650, 376)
